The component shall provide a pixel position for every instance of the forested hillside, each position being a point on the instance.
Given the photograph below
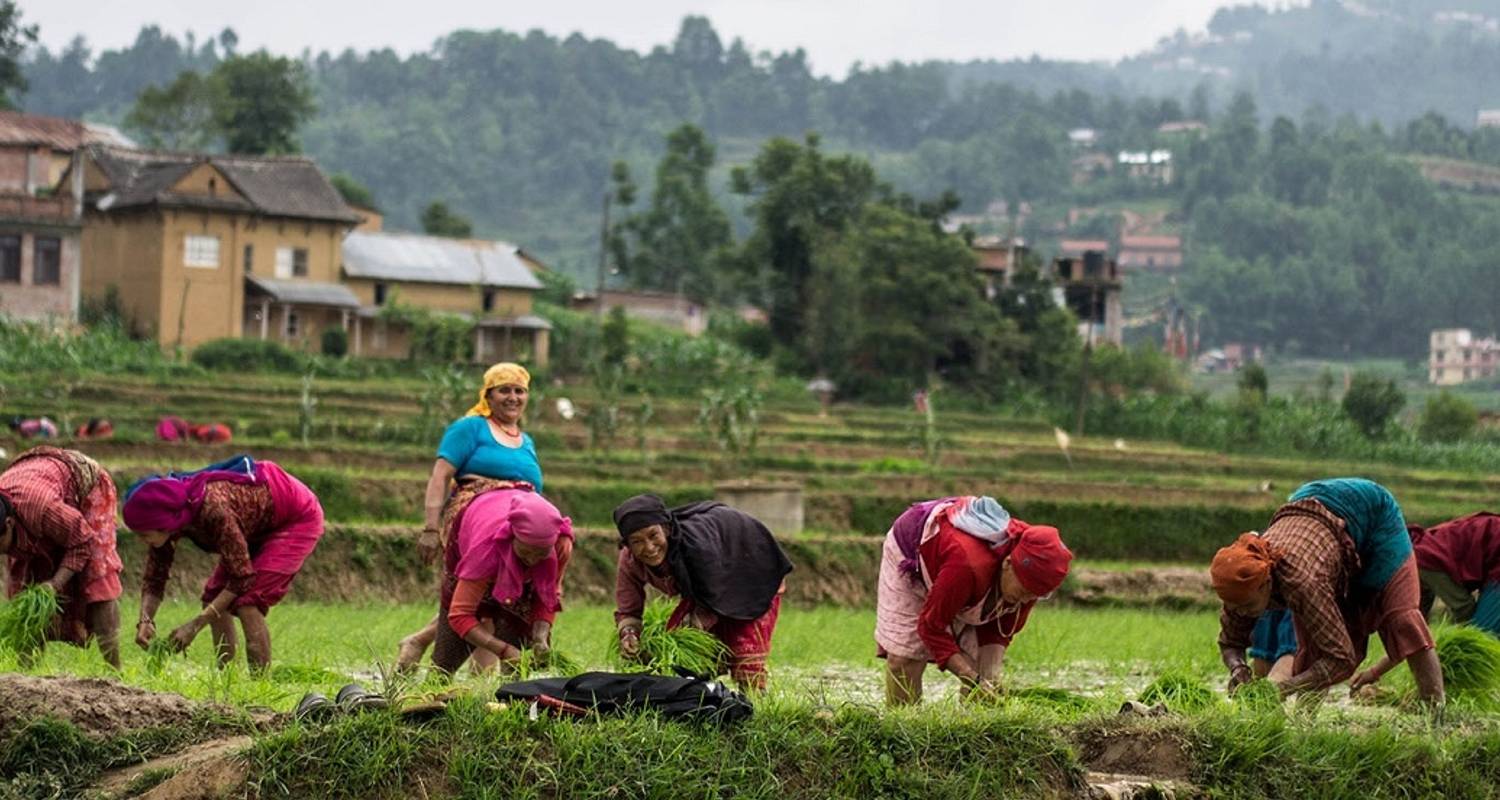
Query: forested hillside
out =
(1313, 232)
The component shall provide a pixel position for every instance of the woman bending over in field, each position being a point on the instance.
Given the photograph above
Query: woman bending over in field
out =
(1339, 558)
(484, 451)
(958, 579)
(503, 572)
(724, 563)
(57, 526)
(261, 521)
(1458, 560)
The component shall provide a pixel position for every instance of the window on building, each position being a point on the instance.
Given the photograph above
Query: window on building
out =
(201, 251)
(10, 259)
(293, 324)
(291, 262)
(46, 269)
(489, 300)
(249, 258)
(380, 290)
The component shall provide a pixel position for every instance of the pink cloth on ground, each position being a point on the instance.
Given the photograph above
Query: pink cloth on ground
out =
(299, 525)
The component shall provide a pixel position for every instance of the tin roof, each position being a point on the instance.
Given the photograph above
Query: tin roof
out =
(381, 255)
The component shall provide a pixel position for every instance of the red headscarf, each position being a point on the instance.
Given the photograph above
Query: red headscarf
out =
(1039, 558)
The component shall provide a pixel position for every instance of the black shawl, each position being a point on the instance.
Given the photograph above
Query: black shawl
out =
(725, 560)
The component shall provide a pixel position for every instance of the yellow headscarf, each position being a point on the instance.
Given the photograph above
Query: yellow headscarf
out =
(501, 374)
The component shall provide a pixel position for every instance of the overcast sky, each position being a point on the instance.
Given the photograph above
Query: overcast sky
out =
(835, 33)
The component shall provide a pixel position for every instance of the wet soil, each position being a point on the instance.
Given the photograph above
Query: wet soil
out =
(96, 706)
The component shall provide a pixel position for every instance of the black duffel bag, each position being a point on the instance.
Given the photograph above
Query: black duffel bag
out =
(686, 698)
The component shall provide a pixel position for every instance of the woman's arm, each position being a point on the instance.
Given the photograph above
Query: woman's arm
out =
(433, 501)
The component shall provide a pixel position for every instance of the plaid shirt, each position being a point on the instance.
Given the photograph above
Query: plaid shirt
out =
(43, 495)
(1311, 578)
(234, 518)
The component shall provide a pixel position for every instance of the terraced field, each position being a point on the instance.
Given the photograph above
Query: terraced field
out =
(1143, 517)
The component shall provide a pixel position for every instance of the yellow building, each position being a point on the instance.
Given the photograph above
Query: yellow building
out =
(202, 247)
(488, 282)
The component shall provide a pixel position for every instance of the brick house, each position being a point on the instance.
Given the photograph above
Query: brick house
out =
(1456, 356)
(201, 247)
(491, 283)
(41, 215)
(1151, 253)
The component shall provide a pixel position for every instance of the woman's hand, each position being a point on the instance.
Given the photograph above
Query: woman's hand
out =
(428, 546)
(145, 631)
(630, 643)
(1239, 675)
(184, 635)
(541, 642)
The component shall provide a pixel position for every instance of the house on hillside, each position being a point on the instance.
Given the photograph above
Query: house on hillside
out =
(491, 283)
(663, 308)
(1090, 283)
(1151, 253)
(1455, 356)
(1147, 166)
(1182, 127)
(41, 215)
(201, 247)
(996, 259)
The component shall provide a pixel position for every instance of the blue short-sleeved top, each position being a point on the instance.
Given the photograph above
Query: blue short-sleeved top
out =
(471, 448)
(1373, 520)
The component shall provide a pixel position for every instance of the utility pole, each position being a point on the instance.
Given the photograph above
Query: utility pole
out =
(1083, 369)
(603, 258)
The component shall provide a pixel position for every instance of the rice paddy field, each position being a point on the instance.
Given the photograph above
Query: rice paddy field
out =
(1136, 622)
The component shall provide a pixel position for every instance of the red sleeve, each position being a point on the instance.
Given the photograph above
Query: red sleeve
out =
(462, 609)
(1002, 630)
(951, 592)
(43, 510)
(158, 569)
(630, 588)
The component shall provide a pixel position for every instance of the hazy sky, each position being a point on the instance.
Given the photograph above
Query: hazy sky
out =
(835, 33)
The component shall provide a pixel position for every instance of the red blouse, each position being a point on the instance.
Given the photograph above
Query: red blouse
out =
(963, 570)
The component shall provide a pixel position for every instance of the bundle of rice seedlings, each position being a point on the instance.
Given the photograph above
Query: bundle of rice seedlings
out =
(1259, 695)
(24, 620)
(158, 653)
(1471, 661)
(557, 663)
(1050, 696)
(666, 651)
(1179, 691)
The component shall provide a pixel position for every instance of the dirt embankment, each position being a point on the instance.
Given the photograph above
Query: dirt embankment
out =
(96, 706)
(358, 563)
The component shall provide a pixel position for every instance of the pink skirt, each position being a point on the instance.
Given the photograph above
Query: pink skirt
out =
(898, 608)
(278, 559)
(748, 641)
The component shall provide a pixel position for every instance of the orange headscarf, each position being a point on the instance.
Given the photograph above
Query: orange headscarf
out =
(502, 374)
(1239, 570)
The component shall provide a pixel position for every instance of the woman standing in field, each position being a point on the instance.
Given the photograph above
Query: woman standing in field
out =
(261, 521)
(724, 563)
(503, 566)
(481, 452)
(958, 579)
(1337, 556)
(57, 526)
(1457, 560)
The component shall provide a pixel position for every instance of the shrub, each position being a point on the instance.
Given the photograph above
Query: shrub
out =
(1447, 418)
(247, 355)
(1372, 401)
(1252, 379)
(335, 342)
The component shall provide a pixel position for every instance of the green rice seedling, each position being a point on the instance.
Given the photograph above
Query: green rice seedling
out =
(1258, 695)
(556, 663)
(1180, 691)
(1470, 659)
(1061, 699)
(24, 620)
(665, 651)
(157, 654)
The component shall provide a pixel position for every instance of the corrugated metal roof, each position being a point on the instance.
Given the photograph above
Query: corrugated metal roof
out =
(525, 321)
(379, 255)
(307, 293)
(57, 133)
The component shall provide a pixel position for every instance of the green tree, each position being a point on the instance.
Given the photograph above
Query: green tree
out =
(353, 192)
(1446, 417)
(798, 198)
(183, 115)
(675, 243)
(616, 337)
(1372, 401)
(14, 39)
(1252, 380)
(265, 100)
(438, 220)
